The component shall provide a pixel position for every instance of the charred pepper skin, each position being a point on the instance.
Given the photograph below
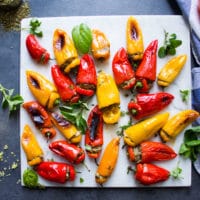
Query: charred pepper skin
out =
(86, 80)
(94, 133)
(65, 86)
(122, 70)
(147, 104)
(148, 174)
(71, 152)
(56, 171)
(41, 118)
(150, 151)
(36, 51)
(146, 71)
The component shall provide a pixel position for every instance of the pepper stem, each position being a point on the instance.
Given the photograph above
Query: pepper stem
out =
(86, 167)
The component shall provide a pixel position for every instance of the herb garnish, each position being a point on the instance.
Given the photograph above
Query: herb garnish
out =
(34, 27)
(185, 95)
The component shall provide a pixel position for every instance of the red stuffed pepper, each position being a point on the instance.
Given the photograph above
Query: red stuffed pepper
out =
(56, 171)
(148, 151)
(71, 152)
(65, 86)
(148, 104)
(41, 118)
(149, 174)
(86, 79)
(146, 71)
(94, 133)
(36, 51)
(122, 70)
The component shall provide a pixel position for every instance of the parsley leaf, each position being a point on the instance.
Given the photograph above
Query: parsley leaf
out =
(34, 27)
(184, 95)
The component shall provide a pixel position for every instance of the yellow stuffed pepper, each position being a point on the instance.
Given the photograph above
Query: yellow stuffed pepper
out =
(31, 147)
(108, 98)
(171, 70)
(134, 39)
(64, 50)
(144, 130)
(42, 89)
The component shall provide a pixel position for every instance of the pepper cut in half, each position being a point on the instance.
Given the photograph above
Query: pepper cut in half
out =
(134, 39)
(64, 50)
(108, 98)
(42, 89)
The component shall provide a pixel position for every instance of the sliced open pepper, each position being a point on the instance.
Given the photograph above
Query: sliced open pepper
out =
(31, 147)
(41, 118)
(86, 79)
(149, 151)
(147, 104)
(64, 50)
(122, 70)
(56, 171)
(42, 89)
(108, 98)
(100, 45)
(134, 39)
(71, 152)
(94, 133)
(66, 87)
(68, 130)
(146, 71)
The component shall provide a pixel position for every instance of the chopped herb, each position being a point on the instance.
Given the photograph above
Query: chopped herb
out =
(14, 165)
(122, 128)
(5, 147)
(176, 172)
(81, 180)
(184, 95)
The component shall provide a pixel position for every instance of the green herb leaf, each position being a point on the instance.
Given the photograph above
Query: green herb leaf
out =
(184, 95)
(162, 52)
(176, 172)
(34, 27)
(81, 180)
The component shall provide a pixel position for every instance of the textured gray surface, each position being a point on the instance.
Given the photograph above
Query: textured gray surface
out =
(9, 77)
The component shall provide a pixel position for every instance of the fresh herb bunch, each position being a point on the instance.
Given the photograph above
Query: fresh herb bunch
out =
(170, 44)
(184, 95)
(12, 102)
(34, 27)
(74, 113)
(190, 148)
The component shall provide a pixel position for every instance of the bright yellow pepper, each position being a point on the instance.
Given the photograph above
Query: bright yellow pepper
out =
(175, 125)
(31, 147)
(42, 89)
(144, 130)
(171, 70)
(134, 39)
(108, 98)
(64, 50)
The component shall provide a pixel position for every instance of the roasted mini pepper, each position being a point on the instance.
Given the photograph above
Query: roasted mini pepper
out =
(68, 130)
(100, 45)
(86, 79)
(66, 87)
(56, 171)
(71, 152)
(41, 118)
(31, 147)
(177, 123)
(146, 71)
(150, 174)
(171, 70)
(36, 51)
(108, 98)
(145, 129)
(149, 151)
(108, 161)
(94, 133)
(42, 89)
(134, 39)
(64, 50)
(147, 104)
(122, 70)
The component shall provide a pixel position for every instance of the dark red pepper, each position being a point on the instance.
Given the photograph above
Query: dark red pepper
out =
(122, 70)
(71, 152)
(36, 51)
(66, 87)
(146, 71)
(86, 79)
(148, 104)
(149, 151)
(56, 171)
(41, 118)
(94, 133)
(149, 174)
